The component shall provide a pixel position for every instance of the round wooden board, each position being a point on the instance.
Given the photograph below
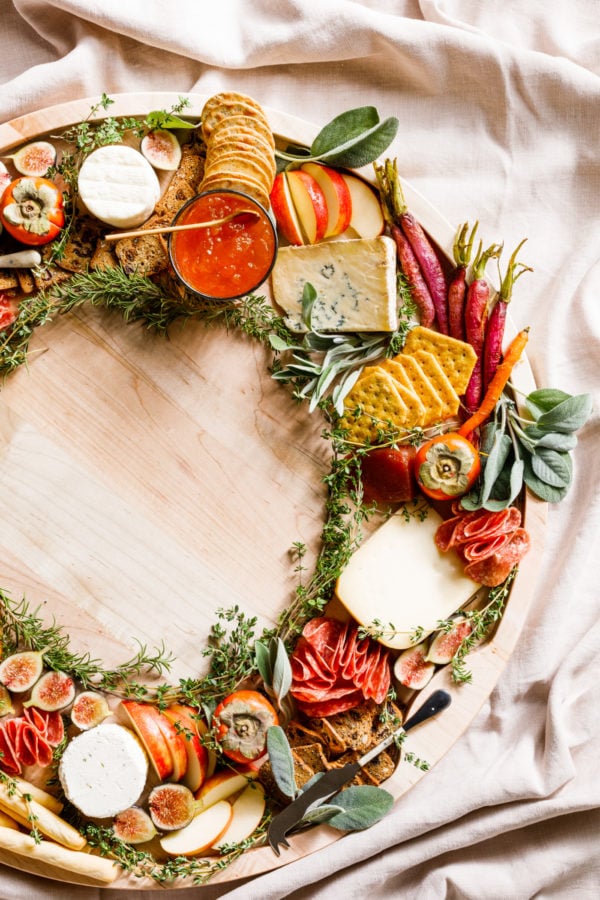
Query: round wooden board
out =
(147, 482)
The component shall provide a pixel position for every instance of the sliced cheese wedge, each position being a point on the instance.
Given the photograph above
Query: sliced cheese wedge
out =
(399, 576)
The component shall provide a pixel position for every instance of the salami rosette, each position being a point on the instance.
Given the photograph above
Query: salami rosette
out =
(333, 669)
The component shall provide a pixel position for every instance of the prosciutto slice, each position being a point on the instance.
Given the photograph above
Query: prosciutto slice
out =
(28, 740)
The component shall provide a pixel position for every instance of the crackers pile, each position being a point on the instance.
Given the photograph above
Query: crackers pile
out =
(419, 387)
(240, 149)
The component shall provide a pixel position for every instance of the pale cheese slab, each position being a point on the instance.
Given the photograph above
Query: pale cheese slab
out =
(355, 282)
(399, 576)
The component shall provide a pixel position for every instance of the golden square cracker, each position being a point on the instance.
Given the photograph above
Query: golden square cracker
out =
(457, 358)
(379, 404)
(414, 377)
(416, 408)
(436, 375)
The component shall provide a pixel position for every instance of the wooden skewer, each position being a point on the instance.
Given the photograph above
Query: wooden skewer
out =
(167, 229)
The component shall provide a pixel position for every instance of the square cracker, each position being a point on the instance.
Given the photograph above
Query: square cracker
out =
(457, 358)
(412, 375)
(379, 404)
(416, 412)
(436, 375)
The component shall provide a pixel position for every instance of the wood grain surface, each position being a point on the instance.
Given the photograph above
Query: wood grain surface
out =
(146, 482)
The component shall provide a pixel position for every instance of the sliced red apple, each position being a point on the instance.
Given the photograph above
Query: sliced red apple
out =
(204, 830)
(176, 745)
(284, 211)
(197, 754)
(337, 197)
(367, 216)
(248, 811)
(212, 760)
(222, 785)
(143, 719)
(310, 204)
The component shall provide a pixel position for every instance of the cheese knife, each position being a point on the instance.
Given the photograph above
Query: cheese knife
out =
(334, 779)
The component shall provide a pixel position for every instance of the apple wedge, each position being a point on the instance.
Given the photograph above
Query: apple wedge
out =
(367, 217)
(143, 719)
(310, 204)
(222, 785)
(176, 745)
(284, 211)
(183, 718)
(204, 830)
(248, 811)
(337, 197)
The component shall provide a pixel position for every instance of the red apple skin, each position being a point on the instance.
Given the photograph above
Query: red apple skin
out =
(176, 745)
(310, 204)
(367, 216)
(337, 197)
(143, 718)
(284, 212)
(197, 753)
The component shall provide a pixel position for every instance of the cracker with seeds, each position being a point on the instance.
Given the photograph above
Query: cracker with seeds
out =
(457, 358)
(379, 406)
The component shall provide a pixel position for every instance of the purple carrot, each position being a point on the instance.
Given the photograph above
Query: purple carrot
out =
(476, 312)
(410, 266)
(494, 334)
(396, 213)
(457, 286)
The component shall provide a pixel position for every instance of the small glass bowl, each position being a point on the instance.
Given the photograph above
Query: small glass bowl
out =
(226, 261)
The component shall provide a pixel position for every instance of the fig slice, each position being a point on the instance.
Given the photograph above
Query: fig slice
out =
(445, 643)
(412, 669)
(52, 692)
(162, 149)
(20, 671)
(134, 826)
(172, 806)
(35, 159)
(89, 709)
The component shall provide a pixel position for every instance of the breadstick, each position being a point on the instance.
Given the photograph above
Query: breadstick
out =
(7, 821)
(38, 794)
(32, 814)
(86, 864)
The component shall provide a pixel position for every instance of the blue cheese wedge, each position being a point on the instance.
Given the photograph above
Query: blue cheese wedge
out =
(400, 578)
(103, 771)
(355, 283)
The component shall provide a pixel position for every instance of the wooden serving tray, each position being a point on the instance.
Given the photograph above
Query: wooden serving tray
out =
(146, 482)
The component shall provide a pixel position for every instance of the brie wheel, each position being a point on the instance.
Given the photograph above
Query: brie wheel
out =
(118, 186)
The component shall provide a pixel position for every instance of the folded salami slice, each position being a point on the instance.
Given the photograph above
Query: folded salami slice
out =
(494, 569)
(486, 524)
(9, 762)
(484, 547)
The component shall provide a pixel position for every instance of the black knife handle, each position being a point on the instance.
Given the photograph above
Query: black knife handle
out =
(438, 701)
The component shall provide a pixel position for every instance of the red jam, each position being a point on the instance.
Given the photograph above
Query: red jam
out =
(228, 260)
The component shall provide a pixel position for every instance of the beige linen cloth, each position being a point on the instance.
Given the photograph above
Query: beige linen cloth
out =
(499, 121)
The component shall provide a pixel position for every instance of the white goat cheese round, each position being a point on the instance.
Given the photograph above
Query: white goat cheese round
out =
(103, 771)
(118, 186)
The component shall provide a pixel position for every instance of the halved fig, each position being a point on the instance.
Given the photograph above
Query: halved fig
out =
(162, 149)
(5, 177)
(52, 692)
(89, 709)
(445, 643)
(35, 159)
(171, 806)
(412, 669)
(134, 826)
(20, 671)
(6, 706)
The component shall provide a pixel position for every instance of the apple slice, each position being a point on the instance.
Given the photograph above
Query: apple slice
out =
(176, 745)
(204, 830)
(284, 211)
(311, 206)
(212, 760)
(248, 811)
(367, 216)
(197, 754)
(222, 785)
(143, 719)
(337, 197)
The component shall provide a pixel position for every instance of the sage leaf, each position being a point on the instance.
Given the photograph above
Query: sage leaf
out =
(363, 805)
(319, 814)
(543, 400)
(552, 440)
(555, 469)
(159, 119)
(309, 295)
(348, 125)
(364, 149)
(542, 490)
(263, 662)
(567, 416)
(498, 454)
(278, 343)
(282, 671)
(282, 761)
(515, 483)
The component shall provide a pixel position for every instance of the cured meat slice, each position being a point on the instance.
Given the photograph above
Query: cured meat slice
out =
(326, 708)
(481, 549)
(486, 524)
(9, 762)
(494, 569)
(444, 536)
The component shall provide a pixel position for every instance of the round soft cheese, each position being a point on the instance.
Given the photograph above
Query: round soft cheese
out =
(118, 186)
(103, 771)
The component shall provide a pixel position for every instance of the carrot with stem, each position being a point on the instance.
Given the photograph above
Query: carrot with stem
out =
(497, 384)
(457, 287)
(396, 212)
(418, 288)
(494, 335)
(476, 312)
